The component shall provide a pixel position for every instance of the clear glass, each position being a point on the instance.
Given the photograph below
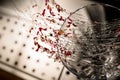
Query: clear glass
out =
(89, 44)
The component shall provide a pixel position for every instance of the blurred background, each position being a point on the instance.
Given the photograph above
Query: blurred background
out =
(18, 58)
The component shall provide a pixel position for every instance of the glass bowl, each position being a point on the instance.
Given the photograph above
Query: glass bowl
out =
(89, 44)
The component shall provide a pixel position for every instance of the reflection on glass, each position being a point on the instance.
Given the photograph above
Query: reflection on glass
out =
(89, 46)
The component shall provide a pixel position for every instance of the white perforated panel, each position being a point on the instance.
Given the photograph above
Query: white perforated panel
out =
(17, 50)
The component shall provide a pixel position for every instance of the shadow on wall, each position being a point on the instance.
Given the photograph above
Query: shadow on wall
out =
(7, 76)
(8, 3)
(111, 2)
